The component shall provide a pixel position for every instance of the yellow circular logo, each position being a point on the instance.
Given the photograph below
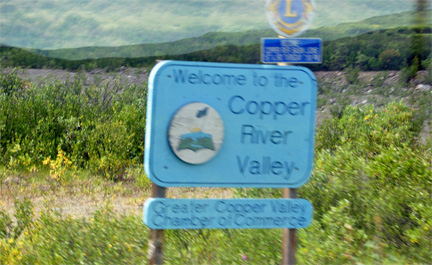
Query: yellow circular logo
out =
(290, 18)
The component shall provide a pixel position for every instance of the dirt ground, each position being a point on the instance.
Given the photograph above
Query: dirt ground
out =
(140, 75)
(127, 75)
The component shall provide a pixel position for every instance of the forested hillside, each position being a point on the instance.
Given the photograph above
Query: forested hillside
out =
(391, 49)
(214, 39)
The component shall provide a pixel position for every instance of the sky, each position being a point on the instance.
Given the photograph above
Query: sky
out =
(54, 24)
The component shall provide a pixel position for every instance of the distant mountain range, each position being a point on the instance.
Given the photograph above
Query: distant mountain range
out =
(387, 49)
(49, 24)
(210, 40)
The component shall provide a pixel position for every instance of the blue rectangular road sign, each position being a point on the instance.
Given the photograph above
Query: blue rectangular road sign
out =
(227, 213)
(230, 125)
(304, 50)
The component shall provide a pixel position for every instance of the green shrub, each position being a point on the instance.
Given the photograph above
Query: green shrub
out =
(420, 234)
(352, 75)
(23, 218)
(370, 157)
(409, 72)
(104, 238)
(369, 189)
(368, 130)
(401, 178)
(232, 246)
(332, 239)
(109, 149)
(96, 127)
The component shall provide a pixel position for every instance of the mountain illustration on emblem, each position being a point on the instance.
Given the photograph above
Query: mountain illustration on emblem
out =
(197, 139)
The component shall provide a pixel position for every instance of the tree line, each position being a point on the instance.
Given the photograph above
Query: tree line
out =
(390, 49)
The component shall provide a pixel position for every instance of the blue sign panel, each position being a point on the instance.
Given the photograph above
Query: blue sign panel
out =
(227, 213)
(307, 50)
(230, 125)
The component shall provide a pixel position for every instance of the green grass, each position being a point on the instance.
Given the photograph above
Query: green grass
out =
(46, 234)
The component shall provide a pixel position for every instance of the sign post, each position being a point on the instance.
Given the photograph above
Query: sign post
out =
(290, 18)
(289, 235)
(155, 251)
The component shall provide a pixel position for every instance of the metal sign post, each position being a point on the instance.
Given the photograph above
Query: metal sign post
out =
(290, 18)
(289, 235)
(155, 250)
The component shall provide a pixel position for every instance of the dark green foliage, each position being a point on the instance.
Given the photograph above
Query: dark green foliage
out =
(369, 130)
(96, 127)
(379, 50)
(370, 189)
(352, 75)
(15, 57)
(369, 158)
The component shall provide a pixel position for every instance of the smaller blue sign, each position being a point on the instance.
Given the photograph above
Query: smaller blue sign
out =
(276, 50)
(227, 213)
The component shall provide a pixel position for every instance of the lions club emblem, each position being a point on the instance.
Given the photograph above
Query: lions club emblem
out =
(290, 18)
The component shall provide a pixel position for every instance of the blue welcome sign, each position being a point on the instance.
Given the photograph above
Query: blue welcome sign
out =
(230, 125)
(227, 213)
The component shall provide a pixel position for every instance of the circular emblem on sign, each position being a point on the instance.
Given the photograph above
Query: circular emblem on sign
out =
(290, 18)
(196, 133)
